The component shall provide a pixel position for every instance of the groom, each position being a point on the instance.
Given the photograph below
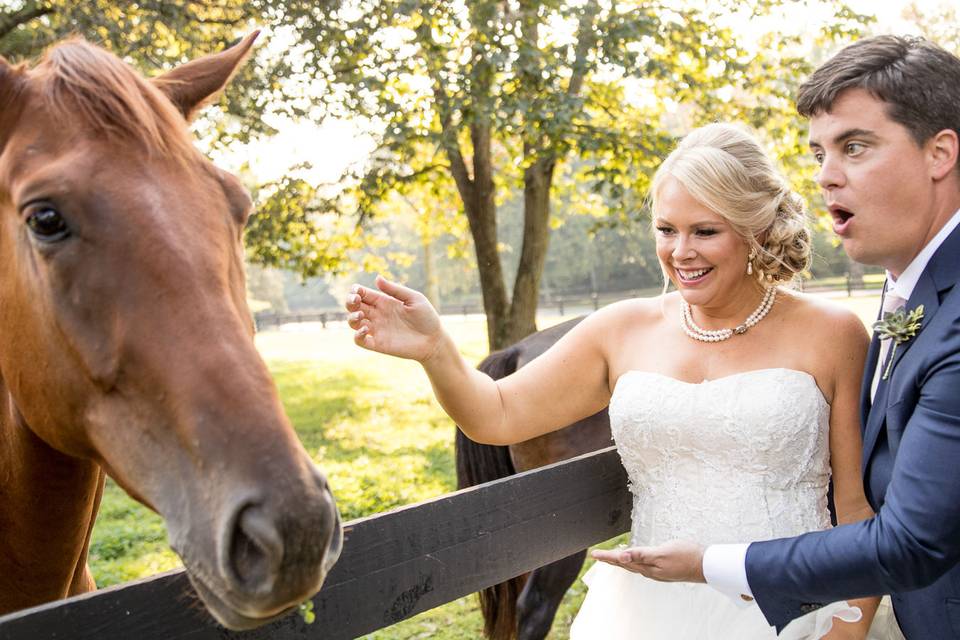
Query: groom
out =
(884, 127)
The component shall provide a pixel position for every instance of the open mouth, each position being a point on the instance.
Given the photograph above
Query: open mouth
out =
(841, 218)
(693, 276)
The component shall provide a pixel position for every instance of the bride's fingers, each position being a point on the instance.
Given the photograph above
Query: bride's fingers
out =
(396, 290)
(362, 337)
(360, 295)
(355, 319)
(352, 302)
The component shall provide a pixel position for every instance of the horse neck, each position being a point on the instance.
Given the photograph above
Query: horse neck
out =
(48, 502)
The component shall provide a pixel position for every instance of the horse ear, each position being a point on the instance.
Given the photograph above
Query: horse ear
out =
(192, 85)
(9, 81)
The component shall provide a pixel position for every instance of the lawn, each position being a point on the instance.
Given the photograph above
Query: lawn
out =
(373, 425)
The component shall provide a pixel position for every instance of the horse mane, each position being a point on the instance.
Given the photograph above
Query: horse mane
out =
(82, 80)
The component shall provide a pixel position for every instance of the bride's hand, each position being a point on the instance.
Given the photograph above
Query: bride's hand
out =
(675, 561)
(395, 320)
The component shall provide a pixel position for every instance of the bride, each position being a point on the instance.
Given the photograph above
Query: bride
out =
(733, 390)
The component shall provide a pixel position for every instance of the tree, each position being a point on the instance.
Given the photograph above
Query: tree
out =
(289, 227)
(939, 24)
(504, 92)
(484, 99)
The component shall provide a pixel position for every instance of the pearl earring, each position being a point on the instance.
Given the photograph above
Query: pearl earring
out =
(750, 258)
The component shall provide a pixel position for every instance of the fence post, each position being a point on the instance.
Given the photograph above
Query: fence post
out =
(849, 285)
(596, 300)
(560, 305)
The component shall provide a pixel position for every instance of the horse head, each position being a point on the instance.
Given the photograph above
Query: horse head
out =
(125, 336)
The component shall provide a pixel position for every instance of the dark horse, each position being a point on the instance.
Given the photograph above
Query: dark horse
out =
(524, 607)
(126, 344)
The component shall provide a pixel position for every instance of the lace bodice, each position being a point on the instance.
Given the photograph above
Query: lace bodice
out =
(743, 457)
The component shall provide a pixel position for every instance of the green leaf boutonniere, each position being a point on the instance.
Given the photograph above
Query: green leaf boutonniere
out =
(898, 326)
(306, 611)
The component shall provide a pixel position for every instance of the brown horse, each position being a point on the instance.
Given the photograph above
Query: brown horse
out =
(524, 607)
(126, 345)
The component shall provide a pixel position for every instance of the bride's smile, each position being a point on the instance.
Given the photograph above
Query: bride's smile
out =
(704, 257)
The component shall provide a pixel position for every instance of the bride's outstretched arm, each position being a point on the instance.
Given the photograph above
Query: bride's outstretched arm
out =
(565, 384)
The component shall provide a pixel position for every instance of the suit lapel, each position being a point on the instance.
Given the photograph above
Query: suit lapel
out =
(874, 422)
(939, 276)
(869, 367)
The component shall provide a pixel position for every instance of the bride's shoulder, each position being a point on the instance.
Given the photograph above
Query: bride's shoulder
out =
(634, 312)
(823, 317)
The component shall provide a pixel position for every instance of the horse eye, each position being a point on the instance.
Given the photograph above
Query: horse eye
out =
(47, 224)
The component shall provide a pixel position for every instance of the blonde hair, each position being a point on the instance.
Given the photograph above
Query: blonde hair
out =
(724, 168)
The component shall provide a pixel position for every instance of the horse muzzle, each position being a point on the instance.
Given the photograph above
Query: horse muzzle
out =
(270, 554)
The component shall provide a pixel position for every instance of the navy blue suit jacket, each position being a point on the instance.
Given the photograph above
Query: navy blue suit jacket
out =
(911, 473)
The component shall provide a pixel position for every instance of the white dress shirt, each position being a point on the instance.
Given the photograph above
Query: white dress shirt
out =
(725, 565)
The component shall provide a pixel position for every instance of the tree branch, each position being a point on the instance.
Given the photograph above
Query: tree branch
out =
(586, 40)
(448, 139)
(10, 21)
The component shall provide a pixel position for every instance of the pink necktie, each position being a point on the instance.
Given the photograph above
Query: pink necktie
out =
(891, 302)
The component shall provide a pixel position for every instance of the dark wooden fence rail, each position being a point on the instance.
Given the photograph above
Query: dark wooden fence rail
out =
(394, 565)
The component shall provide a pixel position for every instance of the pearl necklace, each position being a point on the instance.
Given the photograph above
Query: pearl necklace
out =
(707, 335)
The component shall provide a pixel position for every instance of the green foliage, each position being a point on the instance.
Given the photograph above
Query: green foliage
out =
(940, 24)
(288, 229)
(499, 96)
(587, 96)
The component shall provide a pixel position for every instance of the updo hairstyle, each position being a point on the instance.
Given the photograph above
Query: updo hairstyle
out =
(724, 168)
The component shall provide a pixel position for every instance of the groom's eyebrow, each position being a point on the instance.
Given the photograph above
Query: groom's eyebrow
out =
(844, 136)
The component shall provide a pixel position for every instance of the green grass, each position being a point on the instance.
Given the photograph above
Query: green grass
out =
(373, 425)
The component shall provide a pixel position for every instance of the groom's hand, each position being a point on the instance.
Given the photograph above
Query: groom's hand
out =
(675, 561)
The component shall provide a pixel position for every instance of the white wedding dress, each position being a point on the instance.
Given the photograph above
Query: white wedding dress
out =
(740, 458)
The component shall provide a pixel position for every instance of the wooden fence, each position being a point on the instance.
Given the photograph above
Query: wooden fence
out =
(394, 565)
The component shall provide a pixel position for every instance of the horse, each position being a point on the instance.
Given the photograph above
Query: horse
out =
(524, 607)
(126, 344)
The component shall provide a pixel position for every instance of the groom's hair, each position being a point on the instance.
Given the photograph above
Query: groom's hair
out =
(919, 81)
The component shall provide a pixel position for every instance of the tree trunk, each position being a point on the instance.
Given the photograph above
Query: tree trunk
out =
(537, 180)
(481, 209)
(510, 321)
(432, 285)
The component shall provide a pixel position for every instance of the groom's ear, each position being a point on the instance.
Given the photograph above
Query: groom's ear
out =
(944, 148)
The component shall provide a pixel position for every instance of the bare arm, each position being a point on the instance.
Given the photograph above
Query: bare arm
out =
(565, 384)
(850, 341)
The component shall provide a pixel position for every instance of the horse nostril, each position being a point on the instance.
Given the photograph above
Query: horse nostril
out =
(256, 550)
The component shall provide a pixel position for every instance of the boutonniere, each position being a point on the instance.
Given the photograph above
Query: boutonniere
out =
(898, 326)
